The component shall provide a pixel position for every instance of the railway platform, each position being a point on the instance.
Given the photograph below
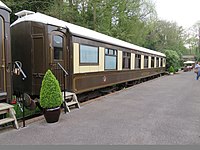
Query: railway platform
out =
(164, 111)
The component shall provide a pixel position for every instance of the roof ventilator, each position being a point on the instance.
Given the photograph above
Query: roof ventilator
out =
(24, 13)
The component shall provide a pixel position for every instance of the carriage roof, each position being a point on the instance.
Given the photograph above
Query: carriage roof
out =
(79, 31)
(2, 5)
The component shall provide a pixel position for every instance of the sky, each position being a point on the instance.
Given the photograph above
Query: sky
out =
(185, 12)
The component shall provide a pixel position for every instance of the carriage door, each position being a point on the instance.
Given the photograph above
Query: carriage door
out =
(38, 61)
(59, 57)
(2, 58)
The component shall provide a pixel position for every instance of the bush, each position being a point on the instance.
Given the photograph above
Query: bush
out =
(172, 59)
(50, 93)
(171, 69)
(176, 69)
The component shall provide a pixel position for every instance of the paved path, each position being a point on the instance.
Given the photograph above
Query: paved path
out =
(165, 110)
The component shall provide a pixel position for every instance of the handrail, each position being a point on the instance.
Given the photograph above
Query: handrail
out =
(19, 65)
(65, 74)
(63, 69)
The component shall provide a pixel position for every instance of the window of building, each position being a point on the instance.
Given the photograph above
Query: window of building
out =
(146, 61)
(110, 59)
(89, 54)
(152, 62)
(157, 62)
(137, 61)
(126, 60)
(58, 47)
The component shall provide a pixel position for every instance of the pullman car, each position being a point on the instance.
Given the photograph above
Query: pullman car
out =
(92, 60)
(5, 53)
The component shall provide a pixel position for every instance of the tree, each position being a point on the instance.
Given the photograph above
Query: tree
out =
(33, 5)
(134, 21)
(193, 39)
(172, 59)
(167, 35)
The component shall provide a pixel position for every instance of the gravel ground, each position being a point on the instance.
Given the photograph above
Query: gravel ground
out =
(165, 111)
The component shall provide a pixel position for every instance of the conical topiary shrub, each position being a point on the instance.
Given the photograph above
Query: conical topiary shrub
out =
(171, 69)
(50, 96)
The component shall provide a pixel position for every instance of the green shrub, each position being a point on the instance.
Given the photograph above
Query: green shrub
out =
(172, 59)
(50, 93)
(27, 112)
(176, 69)
(171, 69)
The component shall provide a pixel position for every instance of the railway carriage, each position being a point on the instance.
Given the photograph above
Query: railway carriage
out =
(5, 53)
(92, 60)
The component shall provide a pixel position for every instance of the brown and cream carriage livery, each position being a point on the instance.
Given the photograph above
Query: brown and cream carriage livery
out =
(92, 60)
(5, 53)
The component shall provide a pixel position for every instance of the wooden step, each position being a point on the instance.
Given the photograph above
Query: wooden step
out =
(4, 106)
(68, 97)
(67, 94)
(4, 111)
(3, 94)
(6, 120)
(71, 103)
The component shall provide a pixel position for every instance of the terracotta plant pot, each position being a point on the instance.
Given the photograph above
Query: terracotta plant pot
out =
(52, 115)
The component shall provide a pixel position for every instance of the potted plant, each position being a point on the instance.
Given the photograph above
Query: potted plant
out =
(171, 70)
(50, 97)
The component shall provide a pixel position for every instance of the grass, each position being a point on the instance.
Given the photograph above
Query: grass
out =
(28, 112)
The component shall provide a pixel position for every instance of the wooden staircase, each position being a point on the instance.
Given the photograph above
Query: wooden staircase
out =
(70, 99)
(8, 109)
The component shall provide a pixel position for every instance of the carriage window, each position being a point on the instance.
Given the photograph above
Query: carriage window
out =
(126, 60)
(164, 61)
(161, 62)
(110, 59)
(157, 62)
(146, 61)
(88, 54)
(152, 62)
(137, 61)
(58, 47)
